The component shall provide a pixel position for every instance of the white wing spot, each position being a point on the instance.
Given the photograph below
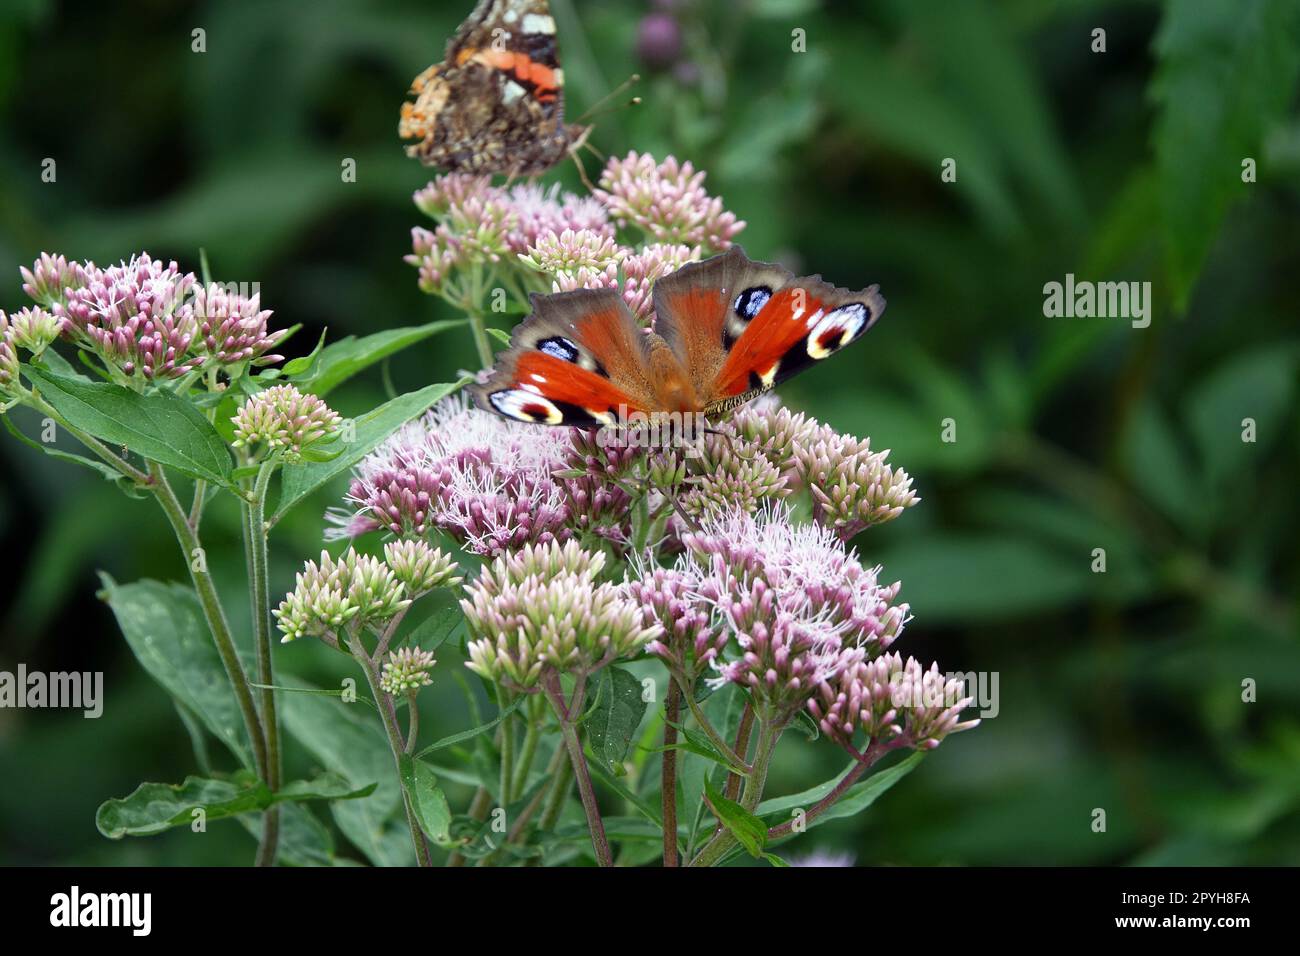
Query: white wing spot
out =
(538, 23)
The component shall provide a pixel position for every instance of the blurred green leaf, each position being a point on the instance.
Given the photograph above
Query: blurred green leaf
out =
(1260, 385)
(1226, 73)
(1158, 464)
(971, 577)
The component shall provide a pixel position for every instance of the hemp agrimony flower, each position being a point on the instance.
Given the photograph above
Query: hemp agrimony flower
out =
(544, 607)
(890, 699)
(667, 201)
(354, 591)
(283, 421)
(31, 329)
(419, 567)
(406, 671)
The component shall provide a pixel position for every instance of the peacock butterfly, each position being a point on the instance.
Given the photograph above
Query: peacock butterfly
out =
(726, 330)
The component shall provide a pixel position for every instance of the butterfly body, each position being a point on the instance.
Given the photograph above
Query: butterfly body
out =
(726, 330)
(496, 102)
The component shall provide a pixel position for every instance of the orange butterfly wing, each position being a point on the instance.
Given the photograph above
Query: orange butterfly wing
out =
(741, 327)
(580, 359)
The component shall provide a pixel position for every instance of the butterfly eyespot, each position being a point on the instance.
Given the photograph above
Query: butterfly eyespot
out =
(750, 302)
(559, 347)
(525, 406)
(836, 329)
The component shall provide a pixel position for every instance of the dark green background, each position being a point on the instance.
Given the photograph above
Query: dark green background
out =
(1119, 691)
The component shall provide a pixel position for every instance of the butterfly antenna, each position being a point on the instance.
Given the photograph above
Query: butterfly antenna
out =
(600, 106)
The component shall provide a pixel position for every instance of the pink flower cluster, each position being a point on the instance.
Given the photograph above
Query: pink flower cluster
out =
(492, 484)
(566, 241)
(786, 611)
(147, 320)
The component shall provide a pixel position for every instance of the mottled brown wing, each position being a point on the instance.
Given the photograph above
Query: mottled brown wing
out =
(496, 104)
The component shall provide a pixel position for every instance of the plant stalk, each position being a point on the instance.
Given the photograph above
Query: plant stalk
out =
(213, 613)
(389, 716)
(672, 715)
(260, 600)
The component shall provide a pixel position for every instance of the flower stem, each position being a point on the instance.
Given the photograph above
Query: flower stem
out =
(474, 307)
(580, 769)
(864, 762)
(389, 716)
(710, 731)
(769, 732)
(412, 722)
(672, 715)
(213, 613)
(507, 748)
(532, 737)
(732, 788)
(559, 794)
(260, 600)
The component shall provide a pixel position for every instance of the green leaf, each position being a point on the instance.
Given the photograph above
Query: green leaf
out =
(325, 786)
(303, 363)
(473, 731)
(442, 622)
(345, 358)
(1227, 73)
(856, 799)
(747, 828)
(427, 800)
(164, 626)
(616, 708)
(698, 743)
(159, 425)
(300, 480)
(500, 335)
(154, 807)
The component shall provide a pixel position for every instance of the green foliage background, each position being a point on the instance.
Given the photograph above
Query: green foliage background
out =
(1120, 691)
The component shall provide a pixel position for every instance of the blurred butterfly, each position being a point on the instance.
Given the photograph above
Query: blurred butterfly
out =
(726, 330)
(496, 103)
